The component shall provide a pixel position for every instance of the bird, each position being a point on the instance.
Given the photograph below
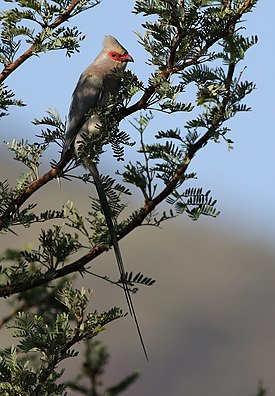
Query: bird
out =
(95, 86)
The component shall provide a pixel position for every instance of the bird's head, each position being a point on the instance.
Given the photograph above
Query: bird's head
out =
(115, 51)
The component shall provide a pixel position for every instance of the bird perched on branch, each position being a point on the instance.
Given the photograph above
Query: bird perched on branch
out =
(93, 89)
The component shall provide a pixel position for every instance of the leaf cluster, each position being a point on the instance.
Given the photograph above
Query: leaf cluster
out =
(34, 21)
(49, 343)
(194, 202)
(196, 22)
(7, 99)
(38, 25)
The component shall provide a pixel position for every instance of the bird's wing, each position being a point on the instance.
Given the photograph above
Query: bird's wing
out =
(86, 96)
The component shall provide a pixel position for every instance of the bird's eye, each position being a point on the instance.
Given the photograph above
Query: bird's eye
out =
(113, 55)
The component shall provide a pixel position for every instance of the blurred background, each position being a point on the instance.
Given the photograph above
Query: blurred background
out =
(209, 321)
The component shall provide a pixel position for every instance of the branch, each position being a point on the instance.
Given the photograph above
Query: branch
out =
(31, 51)
(30, 190)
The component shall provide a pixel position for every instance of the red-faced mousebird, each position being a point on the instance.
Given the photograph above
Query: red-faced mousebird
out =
(93, 89)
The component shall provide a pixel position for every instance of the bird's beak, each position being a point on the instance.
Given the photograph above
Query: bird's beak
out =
(127, 58)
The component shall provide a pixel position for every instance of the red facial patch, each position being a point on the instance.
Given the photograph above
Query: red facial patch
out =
(114, 55)
(119, 57)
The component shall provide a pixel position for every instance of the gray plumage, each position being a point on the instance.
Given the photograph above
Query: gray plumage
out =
(94, 86)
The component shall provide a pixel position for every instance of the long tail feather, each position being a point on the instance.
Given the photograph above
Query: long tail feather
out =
(108, 216)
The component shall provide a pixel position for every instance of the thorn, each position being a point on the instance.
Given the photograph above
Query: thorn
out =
(58, 181)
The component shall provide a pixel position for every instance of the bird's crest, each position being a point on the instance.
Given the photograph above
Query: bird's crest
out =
(111, 44)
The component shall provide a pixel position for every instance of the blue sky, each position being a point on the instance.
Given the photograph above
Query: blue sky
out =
(242, 180)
